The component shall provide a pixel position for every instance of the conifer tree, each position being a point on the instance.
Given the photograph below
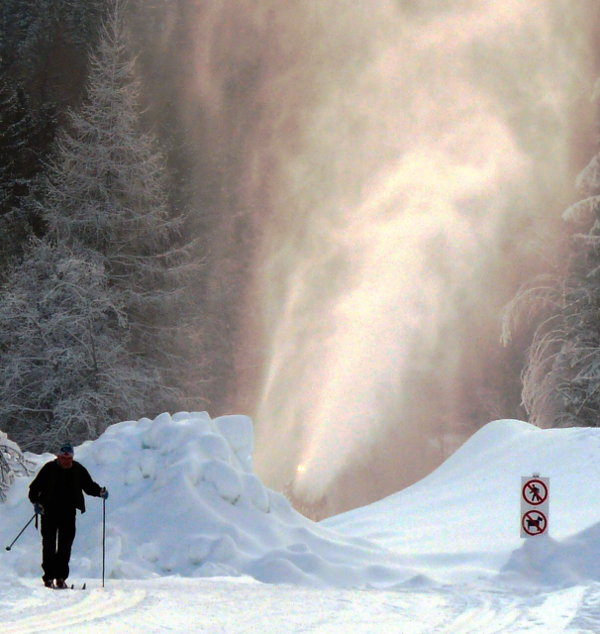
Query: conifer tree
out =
(32, 30)
(117, 340)
(561, 380)
(24, 139)
(64, 367)
(12, 463)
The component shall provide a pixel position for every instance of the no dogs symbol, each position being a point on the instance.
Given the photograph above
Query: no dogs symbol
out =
(534, 522)
(535, 492)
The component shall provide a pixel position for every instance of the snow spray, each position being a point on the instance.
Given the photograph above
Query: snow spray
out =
(398, 158)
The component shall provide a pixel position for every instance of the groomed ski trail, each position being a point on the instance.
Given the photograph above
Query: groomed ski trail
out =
(84, 606)
(220, 605)
(501, 612)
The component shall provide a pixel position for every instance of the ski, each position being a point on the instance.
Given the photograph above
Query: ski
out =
(71, 587)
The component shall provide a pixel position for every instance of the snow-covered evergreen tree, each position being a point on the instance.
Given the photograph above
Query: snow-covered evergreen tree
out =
(65, 369)
(24, 137)
(12, 463)
(31, 30)
(107, 191)
(96, 322)
(561, 381)
(43, 64)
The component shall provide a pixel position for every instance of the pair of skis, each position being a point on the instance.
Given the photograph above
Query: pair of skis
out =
(71, 587)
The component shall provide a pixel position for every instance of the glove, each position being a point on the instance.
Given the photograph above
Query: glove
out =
(38, 508)
(104, 493)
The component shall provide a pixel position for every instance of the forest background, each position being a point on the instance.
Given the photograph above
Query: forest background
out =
(128, 283)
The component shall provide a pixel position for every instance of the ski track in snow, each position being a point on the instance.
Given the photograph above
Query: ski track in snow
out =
(82, 607)
(244, 606)
(571, 610)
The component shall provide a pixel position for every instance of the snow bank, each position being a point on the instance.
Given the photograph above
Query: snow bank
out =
(548, 562)
(184, 501)
(463, 520)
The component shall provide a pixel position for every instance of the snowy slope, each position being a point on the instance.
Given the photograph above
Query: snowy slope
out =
(193, 536)
(464, 517)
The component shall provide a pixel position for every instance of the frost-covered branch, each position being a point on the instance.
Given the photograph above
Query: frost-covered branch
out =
(561, 379)
(12, 463)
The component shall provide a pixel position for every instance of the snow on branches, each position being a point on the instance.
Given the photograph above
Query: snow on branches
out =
(12, 463)
(561, 378)
(95, 321)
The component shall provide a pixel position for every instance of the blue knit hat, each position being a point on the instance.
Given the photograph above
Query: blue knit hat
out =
(67, 448)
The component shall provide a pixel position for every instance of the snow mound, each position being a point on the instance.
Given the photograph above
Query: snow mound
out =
(184, 501)
(548, 562)
(464, 517)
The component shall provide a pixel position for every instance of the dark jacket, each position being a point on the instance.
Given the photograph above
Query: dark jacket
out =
(58, 489)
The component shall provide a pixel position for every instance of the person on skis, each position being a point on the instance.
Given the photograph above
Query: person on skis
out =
(56, 492)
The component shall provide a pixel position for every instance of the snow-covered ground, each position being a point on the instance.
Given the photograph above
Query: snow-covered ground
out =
(195, 542)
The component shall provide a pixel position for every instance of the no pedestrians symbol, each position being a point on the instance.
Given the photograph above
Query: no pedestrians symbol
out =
(535, 492)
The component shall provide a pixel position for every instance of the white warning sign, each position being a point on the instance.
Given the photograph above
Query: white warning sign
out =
(535, 492)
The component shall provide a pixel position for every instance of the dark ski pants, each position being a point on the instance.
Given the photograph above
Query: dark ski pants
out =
(58, 533)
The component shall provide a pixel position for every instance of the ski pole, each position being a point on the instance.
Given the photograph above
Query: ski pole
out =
(103, 537)
(22, 531)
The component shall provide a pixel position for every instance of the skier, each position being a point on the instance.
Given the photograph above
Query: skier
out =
(56, 493)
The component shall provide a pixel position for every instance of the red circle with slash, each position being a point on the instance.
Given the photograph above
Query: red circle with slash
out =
(538, 489)
(528, 521)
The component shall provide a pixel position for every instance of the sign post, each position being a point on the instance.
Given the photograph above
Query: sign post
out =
(535, 515)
